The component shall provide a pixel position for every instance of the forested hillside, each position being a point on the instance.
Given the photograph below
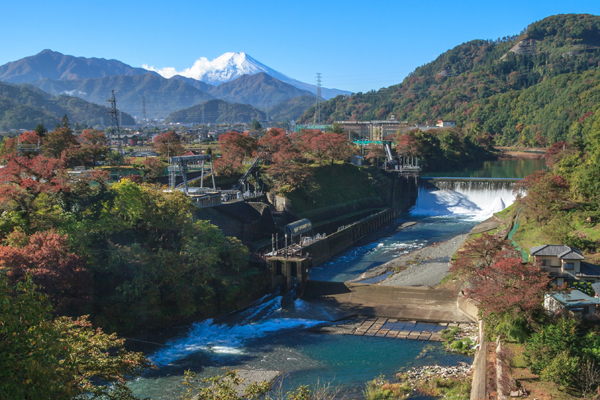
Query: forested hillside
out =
(527, 89)
(216, 111)
(163, 96)
(23, 107)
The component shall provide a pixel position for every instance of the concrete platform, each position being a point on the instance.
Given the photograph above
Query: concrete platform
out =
(344, 300)
(382, 327)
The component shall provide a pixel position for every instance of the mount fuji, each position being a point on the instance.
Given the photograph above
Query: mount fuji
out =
(230, 66)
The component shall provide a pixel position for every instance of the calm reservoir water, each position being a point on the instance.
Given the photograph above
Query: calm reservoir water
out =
(494, 169)
(272, 334)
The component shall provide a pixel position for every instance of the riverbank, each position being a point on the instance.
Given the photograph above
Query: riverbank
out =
(423, 267)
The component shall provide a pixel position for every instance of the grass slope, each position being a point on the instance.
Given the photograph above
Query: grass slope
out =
(338, 184)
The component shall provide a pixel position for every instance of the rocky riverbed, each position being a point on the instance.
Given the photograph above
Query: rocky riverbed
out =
(420, 374)
(423, 267)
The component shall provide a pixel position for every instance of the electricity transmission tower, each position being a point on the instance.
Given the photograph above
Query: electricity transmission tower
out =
(144, 120)
(317, 118)
(114, 119)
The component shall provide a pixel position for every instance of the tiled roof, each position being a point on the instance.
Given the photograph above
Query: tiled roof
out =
(596, 287)
(589, 269)
(557, 250)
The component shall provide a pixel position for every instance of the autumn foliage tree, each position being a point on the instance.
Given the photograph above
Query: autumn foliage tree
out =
(287, 169)
(510, 293)
(546, 195)
(235, 147)
(59, 143)
(327, 146)
(481, 252)
(374, 152)
(25, 179)
(168, 144)
(45, 257)
(94, 146)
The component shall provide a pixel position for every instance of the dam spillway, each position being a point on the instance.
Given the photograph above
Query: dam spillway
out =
(477, 198)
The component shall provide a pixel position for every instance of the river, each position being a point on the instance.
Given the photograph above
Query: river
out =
(274, 333)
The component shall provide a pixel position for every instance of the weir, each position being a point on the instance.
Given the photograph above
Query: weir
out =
(464, 196)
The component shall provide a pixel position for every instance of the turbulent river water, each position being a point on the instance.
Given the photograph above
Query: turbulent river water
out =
(273, 334)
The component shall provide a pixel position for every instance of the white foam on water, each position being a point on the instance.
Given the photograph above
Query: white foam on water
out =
(301, 305)
(467, 199)
(224, 339)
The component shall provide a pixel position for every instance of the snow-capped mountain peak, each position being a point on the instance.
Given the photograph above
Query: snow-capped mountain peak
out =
(230, 66)
(224, 68)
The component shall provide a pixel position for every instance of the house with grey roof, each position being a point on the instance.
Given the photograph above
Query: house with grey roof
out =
(573, 303)
(565, 263)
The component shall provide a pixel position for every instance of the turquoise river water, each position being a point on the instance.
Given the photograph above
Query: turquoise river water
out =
(273, 334)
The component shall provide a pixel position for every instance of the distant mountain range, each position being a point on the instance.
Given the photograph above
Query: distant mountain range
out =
(24, 106)
(230, 66)
(56, 66)
(163, 96)
(241, 80)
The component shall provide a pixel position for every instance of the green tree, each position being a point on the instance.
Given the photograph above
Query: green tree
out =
(256, 126)
(41, 130)
(61, 359)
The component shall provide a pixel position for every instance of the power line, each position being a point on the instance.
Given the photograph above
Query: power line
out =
(317, 118)
(144, 120)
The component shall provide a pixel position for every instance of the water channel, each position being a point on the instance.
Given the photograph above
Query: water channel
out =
(273, 334)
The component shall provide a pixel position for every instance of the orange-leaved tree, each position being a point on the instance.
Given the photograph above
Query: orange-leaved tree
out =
(168, 144)
(45, 257)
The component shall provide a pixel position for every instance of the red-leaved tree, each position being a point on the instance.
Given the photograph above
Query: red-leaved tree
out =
(46, 258)
(481, 252)
(168, 144)
(235, 147)
(23, 179)
(328, 146)
(509, 288)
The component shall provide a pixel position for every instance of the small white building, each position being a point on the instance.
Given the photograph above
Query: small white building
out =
(446, 124)
(576, 303)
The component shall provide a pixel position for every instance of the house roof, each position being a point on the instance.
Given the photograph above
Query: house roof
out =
(596, 287)
(575, 298)
(557, 250)
(588, 269)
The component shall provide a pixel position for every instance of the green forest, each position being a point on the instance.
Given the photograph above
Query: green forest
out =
(25, 106)
(532, 95)
(217, 112)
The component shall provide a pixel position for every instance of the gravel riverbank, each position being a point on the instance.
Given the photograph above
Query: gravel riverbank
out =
(423, 267)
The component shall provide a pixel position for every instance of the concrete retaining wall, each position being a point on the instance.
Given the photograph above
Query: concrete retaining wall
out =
(468, 307)
(339, 241)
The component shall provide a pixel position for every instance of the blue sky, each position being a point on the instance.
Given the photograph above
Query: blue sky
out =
(356, 45)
